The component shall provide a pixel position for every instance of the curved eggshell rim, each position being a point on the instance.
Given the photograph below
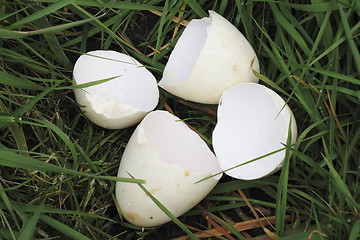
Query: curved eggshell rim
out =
(126, 81)
(246, 131)
(226, 58)
(154, 153)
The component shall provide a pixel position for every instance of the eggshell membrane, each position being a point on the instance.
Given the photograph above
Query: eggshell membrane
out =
(119, 102)
(253, 121)
(171, 158)
(210, 56)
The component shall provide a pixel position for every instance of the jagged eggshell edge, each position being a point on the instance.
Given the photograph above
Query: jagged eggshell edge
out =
(110, 109)
(172, 183)
(223, 61)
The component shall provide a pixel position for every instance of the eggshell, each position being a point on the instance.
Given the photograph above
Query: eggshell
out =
(119, 102)
(171, 158)
(210, 56)
(253, 121)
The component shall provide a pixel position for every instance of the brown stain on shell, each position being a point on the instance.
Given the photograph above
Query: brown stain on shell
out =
(235, 68)
(131, 216)
(187, 173)
(154, 190)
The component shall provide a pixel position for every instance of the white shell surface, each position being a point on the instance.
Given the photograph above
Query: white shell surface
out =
(171, 158)
(210, 56)
(253, 121)
(120, 102)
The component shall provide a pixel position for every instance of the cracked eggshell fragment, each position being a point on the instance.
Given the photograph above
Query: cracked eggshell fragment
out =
(120, 102)
(171, 158)
(253, 121)
(210, 56)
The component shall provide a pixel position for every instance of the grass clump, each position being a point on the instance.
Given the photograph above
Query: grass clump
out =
(56, 166)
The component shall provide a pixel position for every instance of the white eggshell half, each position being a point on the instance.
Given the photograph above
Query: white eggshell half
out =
(119, 102)
(253, 121)
(210, 56)
(171, 158)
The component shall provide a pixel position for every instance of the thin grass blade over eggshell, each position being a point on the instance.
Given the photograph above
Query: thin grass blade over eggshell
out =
(122, 101)
(253, 121)
(171, 158)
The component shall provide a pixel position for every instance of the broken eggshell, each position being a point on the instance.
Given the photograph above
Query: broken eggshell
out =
(253, 121)
(210, 56)
(120, 102)
(171, 158)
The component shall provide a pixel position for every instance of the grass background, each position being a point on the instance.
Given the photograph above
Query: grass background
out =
(57, 168)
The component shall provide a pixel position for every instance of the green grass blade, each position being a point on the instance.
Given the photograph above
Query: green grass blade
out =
(269, 82)
(289, 28)
(8, 205)
(42, 12)
(48, 65)
(64, 229)
(5, 33)
(33, 208)
(334, 45)
(112, 4)
(9, 232)
(166, 211)
(320, 35)
(5, 16)
(161, 26)
(354, 49)
(28, 230)
(313, 7)
(339, 183)
(282, 189)
(355, 231)
(53, 42)
(242, 164)
(98, 24)
(11, 159)
(197, 8)
(20, 111)
(15, 129)
(13, 81)
(89, 84)
(64, 138)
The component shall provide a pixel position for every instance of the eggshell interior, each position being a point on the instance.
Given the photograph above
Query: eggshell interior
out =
(252, 121)
(186, 52)
(121, 101)
(171, 158)
(210, 56)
